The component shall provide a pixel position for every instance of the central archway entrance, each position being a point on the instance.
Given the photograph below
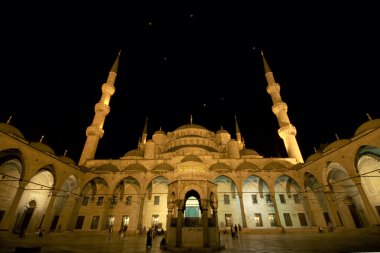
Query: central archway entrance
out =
(192, 215)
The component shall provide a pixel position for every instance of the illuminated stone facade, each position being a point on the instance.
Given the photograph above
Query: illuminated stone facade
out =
(203, 180)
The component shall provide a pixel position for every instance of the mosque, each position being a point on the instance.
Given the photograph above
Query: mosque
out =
(190, 182)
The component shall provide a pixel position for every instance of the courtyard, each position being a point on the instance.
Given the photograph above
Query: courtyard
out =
(359, 240)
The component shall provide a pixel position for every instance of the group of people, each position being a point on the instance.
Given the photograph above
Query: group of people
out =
(151, 234)
(330, 228)
(123, 230)
(234, 230)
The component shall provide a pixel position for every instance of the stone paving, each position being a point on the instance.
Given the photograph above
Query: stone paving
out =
(361, 240)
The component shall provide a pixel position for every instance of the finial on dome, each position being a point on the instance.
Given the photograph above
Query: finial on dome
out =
(369, 117)
(64, 153)
(336, 136)
(9, 120)
(191, 118)
(42, 137)
(139, 142)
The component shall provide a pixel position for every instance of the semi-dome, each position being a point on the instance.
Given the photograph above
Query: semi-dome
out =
(9, 129)
(187, 126)
(42, 147)
(369, 125)
(191, 158)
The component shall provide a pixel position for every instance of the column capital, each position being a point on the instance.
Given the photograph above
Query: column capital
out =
(357, 180)
(23, 183)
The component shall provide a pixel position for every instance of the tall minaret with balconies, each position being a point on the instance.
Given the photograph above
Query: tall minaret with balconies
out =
(238, 135)
(286, 131)
(95, 131)
(144, 135)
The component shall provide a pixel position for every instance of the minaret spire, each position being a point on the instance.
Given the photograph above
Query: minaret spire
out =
(95, 131)
(144, 135)
(287, 131)
(238, 135)
(10, 117)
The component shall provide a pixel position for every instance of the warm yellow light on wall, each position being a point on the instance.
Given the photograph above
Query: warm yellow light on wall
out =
(187, 167)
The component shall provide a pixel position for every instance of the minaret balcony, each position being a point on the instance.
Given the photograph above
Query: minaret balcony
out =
(273, 88)
(94, 130)
(279, 107)
(287, 131)
(100, 107)
(108, 88)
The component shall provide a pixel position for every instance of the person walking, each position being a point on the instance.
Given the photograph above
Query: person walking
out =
(236, 231)
(110, 230)
(149, 238)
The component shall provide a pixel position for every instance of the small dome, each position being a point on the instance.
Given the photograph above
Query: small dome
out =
(314, 157)
(160, 132)
(106, 168)
(248, 151)
(187, 126)
(135, 152)
(222, 131)
(369, 125)
(84, 169)
(336, 144)
(42, 147)
(191, 158)
(67, 160)
(9, 129)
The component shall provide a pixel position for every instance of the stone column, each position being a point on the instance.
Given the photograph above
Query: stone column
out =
(169, 218)
(242, 210)
(308, 210)
(335, 219)
(139, 224)
(215, 211)
(48, 213)
(277, 215)
(10, 215)
(74, 212)
(206, 241)
(372, 218)
(179, 224)
(107, 208)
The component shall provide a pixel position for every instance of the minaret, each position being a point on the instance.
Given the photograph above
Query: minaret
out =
(286, 131)
(238, 135)
(144, 135)
(95, 131)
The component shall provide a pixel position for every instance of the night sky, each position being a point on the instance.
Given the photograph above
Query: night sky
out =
(188, 59)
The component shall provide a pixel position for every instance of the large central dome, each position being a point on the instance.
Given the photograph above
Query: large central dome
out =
(187, 126)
